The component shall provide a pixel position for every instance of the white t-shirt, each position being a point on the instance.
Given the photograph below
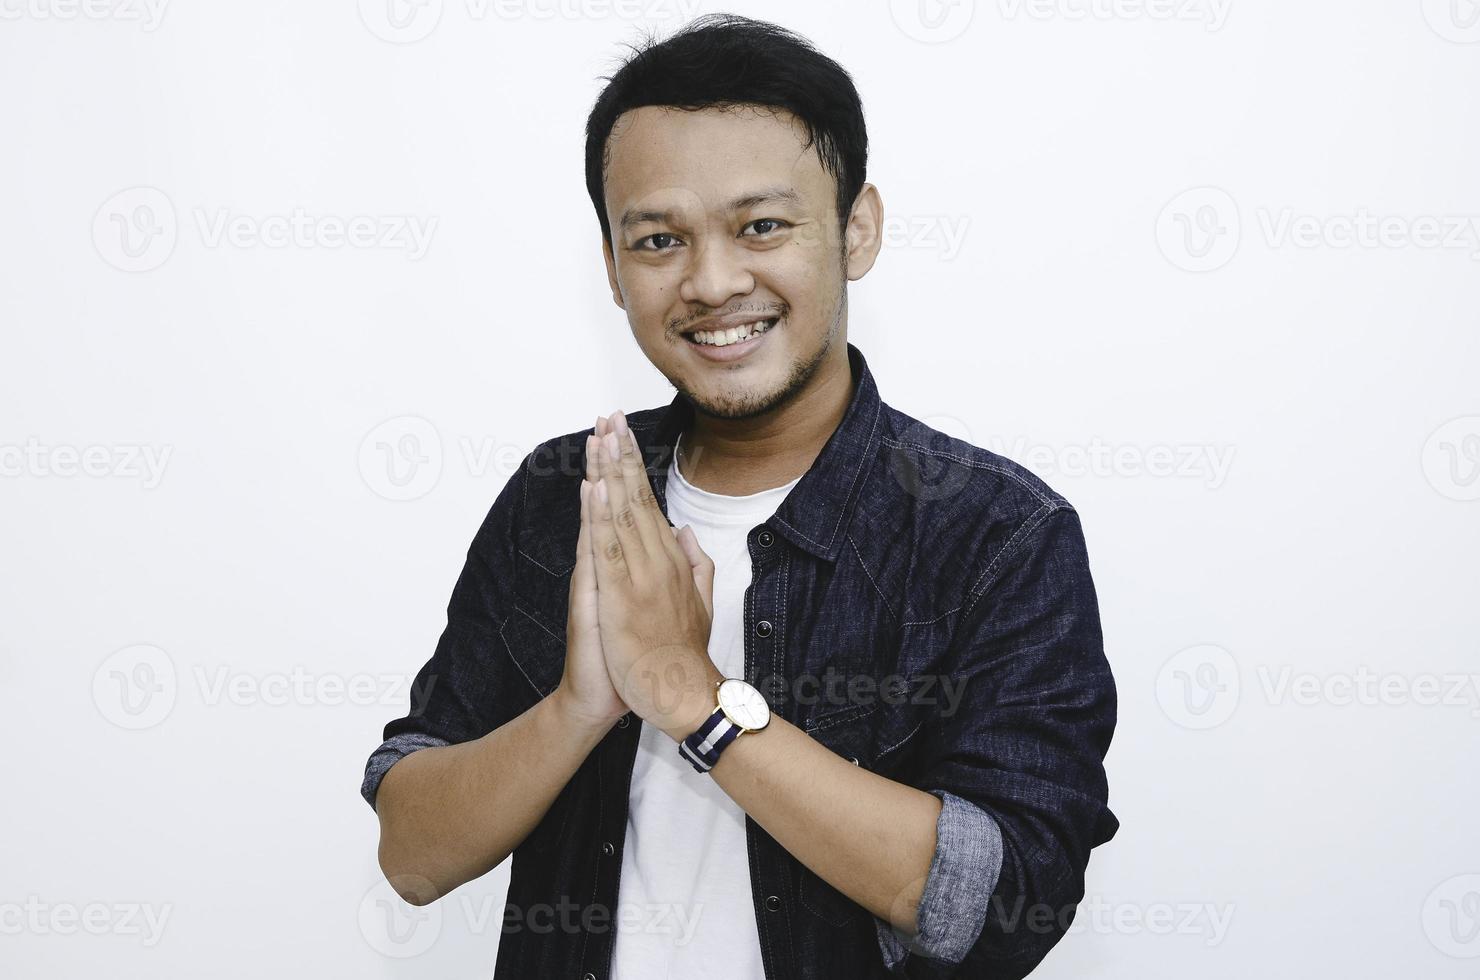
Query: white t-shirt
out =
(684, 907)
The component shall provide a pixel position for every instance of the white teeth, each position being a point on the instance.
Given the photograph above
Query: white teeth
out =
(724, 338)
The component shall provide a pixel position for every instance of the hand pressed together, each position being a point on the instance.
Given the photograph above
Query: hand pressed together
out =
(641, 598)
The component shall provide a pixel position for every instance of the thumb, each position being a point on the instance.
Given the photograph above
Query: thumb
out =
(701, 564)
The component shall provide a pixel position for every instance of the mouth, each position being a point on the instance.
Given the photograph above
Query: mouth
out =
(731, 344)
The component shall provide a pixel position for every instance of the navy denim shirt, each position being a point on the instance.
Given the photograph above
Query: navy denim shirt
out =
(922, 607)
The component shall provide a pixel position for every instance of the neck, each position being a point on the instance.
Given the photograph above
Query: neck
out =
(736, 457)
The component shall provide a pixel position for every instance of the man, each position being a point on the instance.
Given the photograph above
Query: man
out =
(849, 719)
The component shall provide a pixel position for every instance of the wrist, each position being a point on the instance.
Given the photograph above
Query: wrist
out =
(573, 717)
(694, 707)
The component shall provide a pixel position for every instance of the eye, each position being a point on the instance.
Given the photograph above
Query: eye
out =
(638, 245)
(768, 221)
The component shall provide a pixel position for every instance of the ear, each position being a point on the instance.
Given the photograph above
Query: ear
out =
(611, 273)
(864, 235)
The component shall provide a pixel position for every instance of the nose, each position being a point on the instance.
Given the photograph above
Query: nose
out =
(717, 272)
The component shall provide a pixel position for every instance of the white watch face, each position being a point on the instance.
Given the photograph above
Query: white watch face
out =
(743, 704)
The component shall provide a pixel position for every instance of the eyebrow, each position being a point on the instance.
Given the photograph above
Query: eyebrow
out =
(771, 195)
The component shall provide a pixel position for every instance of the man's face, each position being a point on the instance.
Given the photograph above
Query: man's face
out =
(717, 217)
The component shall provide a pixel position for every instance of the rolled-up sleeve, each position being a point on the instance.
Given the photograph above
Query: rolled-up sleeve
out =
(963, 872)
(461, 692)
(1018, 764)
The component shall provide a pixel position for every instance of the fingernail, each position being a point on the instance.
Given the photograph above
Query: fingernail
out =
(601, 489)
(621, 422)
(612, 449)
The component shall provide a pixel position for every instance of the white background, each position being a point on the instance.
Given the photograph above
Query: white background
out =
(1289, 611)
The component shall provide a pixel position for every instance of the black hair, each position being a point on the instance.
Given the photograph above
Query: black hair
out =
(725, 60)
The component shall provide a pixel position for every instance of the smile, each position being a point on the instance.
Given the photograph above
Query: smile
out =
(734, 335)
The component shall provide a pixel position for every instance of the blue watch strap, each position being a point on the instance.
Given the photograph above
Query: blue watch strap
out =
(702, 748)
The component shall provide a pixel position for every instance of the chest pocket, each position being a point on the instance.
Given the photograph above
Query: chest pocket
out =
(537, 647)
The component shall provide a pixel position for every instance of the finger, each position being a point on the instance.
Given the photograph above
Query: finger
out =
(700, 564)
(609, 552)
(603, 425)
(583, 578)
(631, 528)
(651, 523)
(593, 446)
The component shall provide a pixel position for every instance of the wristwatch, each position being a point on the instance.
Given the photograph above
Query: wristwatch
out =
(738, 708)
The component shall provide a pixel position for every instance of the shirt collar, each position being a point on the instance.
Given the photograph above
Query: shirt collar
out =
(813, 515)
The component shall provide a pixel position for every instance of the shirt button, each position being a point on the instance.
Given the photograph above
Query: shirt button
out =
(622, 722)
(765, 539)
(607, 849)
(853, 759)
(763, 628)
(773, 902)
(589, 976)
